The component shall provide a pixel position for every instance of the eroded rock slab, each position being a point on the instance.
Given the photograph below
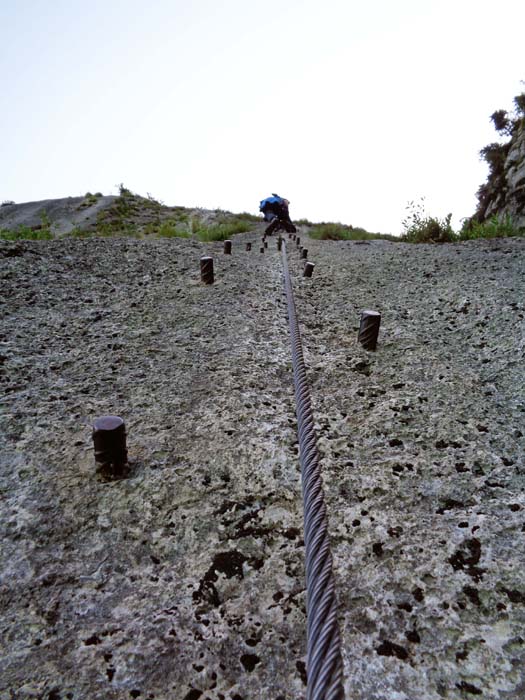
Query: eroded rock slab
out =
(185, 579)
(423, 457)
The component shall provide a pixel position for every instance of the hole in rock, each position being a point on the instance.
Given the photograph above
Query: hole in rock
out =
(301, 667)
(468, 688)
(387, 648)
(194, 694)
(250, 661)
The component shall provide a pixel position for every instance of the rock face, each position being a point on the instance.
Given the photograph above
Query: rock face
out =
(184, 579)
(65, 214)
(504, 194)
(128, 214)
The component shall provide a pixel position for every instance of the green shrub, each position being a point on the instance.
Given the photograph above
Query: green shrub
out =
(343, 232)
(220, 232)
(89, 200)
(495, 227)
(26, 233)
(501, 121)
(246, 216)
(495, 154)
(168, 229)
(150, 228)
(124, 191)
(421, 228)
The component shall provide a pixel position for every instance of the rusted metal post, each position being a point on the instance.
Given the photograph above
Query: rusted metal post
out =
(298, 241)
(369, 329)
(279, 243)
(248, 246)
(228, 247)
(262, 249)
(207, 270)
(308, 269)
(109, 440)
(266, 244)
(304, 253)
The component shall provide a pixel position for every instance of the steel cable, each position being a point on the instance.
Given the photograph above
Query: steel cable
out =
(324, 666)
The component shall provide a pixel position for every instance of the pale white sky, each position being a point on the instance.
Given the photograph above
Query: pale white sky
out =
(347, 108)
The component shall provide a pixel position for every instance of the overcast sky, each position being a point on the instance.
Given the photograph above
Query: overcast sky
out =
(348, 108)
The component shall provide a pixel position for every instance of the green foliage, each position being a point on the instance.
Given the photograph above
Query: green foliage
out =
(123, 191)
(421, 228)
(343, 232)
(181, 213)
(89, 200)
(246, 216)
(80, 233)
(519, 104)
(244, 219)
(150, 228)
(219, 232)
(152, 200)
(303, 222)
(500, 119)
(6, 202)
(495, 227)
(495, 154)
(26, 233)
(169, 229)
(113, 229)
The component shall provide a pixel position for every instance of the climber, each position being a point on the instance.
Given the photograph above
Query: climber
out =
(275, 210)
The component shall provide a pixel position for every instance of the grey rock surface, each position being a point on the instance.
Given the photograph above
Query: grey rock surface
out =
(65, 214)
(185, 579)
(506, 194)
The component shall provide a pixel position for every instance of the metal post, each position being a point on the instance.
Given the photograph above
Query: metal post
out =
(308, 269)
(279, 243)
(369, 329)
(207, 269)
(248, 246)
(304, 253)
(109, 440)
(228, 247)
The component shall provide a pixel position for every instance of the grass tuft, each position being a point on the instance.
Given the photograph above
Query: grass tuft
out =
(495, 227)
(220, 232)
(343, 232)
(419, 227)
(168, 229)
(26, 233)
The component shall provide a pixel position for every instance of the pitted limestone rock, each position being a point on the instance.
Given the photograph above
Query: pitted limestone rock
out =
(185, 580)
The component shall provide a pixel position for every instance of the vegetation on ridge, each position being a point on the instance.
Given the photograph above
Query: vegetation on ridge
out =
(495, 154)
(343, 232)
(419, 227)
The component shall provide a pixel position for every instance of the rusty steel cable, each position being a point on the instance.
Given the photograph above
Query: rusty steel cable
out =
(324, 665)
